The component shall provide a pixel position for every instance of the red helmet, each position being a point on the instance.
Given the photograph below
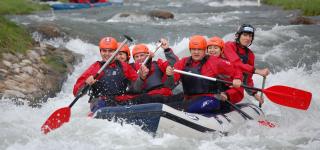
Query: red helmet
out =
(217, 41)
(125, 49)
(140, 48)
(197, 42)
(108, 42)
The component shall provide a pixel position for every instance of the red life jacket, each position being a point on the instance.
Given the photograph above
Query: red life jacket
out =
(213, 67)
(154, 84)
(244, 59)
(194, 85)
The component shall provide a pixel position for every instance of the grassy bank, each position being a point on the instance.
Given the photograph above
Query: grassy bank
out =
(14, 38)
(308, 7)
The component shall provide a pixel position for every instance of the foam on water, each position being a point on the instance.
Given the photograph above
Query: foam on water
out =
(20, 125)
(234, 3)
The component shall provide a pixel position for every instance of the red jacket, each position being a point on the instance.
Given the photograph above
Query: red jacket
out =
(165, 91)
(231, 52)
(215, 67)
(128, 71)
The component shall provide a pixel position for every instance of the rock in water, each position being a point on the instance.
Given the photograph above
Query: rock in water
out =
(162, 14)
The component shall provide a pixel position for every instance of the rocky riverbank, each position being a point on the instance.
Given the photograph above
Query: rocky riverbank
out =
(36, 75)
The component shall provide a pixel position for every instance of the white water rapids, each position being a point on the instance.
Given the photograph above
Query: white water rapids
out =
(291, 51)
(20, 125)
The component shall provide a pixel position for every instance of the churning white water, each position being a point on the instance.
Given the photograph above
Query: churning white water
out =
(296, 129)
(291, 52)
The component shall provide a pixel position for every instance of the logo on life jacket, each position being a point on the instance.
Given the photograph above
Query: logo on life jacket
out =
(227, 62)
(205, 103)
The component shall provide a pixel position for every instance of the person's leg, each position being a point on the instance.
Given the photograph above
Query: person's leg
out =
(203, 104)
(100, 103)
(175, 101)
(146, 98)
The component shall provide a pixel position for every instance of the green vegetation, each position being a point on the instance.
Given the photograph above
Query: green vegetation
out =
(20, 7)
(308, 7)
(55, 62)
(64, 1)
(14, 38)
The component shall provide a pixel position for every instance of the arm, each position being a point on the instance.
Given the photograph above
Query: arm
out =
(170, 56)
(235, 95)
(224, 67)
(251, 84)
(170, 82)
(136, 82)
(168, 52)
(179, 65)
(167, 78)
(229, 52)
(91, 71)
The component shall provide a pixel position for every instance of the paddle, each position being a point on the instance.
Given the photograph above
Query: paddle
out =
(263, 84)
(62, 115)
(262, 122)
(244, 114)
(282, 95)
(146, 60)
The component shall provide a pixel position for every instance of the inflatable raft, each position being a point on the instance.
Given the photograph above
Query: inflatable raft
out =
(66, 6)
(157, 118)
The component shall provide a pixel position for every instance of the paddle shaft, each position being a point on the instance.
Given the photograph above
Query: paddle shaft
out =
(87, 86)
(263, 84)
(239, 110)
(213, 79)
(283, 95)
(244, 114)
(146, 60)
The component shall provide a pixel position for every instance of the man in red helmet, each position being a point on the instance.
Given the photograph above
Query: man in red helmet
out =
(239, 53)
(109, 88)
(158, 82)
(200, 94)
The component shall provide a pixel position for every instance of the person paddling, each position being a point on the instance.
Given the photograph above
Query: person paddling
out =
(215, 47)
(158, 81)
(199, 94)
(110, 87)
(239, 53)
(124, 53)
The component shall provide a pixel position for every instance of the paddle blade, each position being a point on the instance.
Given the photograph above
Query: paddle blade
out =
(288, 96)
(56, 119)
(267, 123)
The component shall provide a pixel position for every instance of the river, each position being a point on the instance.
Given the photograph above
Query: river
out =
(290, 51)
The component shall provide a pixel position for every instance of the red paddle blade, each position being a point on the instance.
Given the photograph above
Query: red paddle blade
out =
(56, 119)
(267, 123)
(288, 96)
